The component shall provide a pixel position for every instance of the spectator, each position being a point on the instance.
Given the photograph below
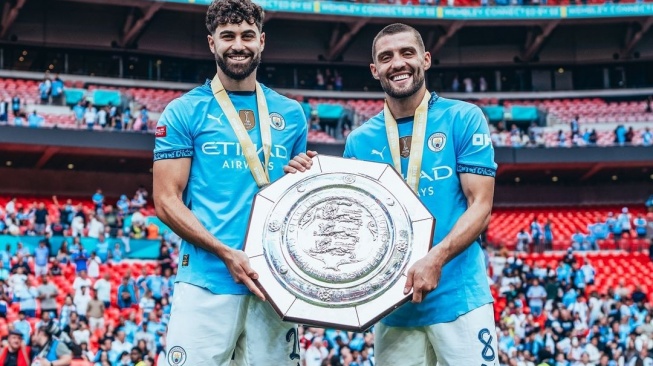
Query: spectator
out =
(143, 335)
(4, 272)
(102, 248)
(41, 258)
(22, 325)
(95, 313)
(548, 235)
(155, 283)
(27, 296)
(624, 221)
(15, 352)
(536, 295)
(116, 254)
(55, 268)
(80, 257)
(120, 344)
(67, 309)
(47, 295)
(104, 355)
(103, 289)
(82, 334)
(164, 260)
(523, 240)
(90, 116)
(80, 281)
(81, 301)
(95, 227)
(52, 349)
(63, 255)
(147, 303)
(136, 357)
(93, 266)
(640, 226)
(126, 294)
(45, 88)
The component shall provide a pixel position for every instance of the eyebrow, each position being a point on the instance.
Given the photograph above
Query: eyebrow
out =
(231, 33)
(401, 50)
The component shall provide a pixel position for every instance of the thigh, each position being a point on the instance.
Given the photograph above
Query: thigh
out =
(267, 339)
(469, 340)
(204, 327)
(395, 346)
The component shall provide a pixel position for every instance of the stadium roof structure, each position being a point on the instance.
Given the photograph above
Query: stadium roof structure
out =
(338, 26)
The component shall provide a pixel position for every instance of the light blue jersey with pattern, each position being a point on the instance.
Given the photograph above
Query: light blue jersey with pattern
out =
(221, 187)
(457, 141)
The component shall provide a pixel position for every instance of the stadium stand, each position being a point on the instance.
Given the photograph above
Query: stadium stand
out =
(565, 221)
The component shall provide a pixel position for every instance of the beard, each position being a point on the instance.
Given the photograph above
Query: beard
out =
(238, 71)
(407, 91)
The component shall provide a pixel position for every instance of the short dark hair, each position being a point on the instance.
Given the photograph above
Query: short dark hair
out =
(397, 28)
(223, 12)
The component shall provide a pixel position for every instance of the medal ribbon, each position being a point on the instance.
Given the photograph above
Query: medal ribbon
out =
(260, 173)
(417, 143)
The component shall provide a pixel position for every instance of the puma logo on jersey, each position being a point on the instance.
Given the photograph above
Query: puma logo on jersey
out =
(379, 153)
(212, 117)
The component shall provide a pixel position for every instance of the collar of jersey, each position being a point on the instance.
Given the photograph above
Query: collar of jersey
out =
(207, 83)
(432, 100)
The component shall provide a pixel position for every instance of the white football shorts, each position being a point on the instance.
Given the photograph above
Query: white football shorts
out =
(470, 340)
(227, 330)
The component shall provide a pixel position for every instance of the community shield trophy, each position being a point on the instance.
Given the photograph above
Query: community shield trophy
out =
(332, 245)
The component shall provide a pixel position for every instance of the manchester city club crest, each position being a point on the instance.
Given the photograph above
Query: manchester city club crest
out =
(176, 356)
(277, 122)
(437, 141)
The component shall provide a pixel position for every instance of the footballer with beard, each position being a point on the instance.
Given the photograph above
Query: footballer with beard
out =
(204, 185)
(450, 320)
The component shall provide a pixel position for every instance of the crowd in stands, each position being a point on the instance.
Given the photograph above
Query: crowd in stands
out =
(539, 235)
(107, 312)
(112, 312)
(102, 220)
(594, 122)
(553, 312)
(538, 136)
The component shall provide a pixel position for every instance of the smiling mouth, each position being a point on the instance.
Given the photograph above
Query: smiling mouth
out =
(238, 57)
(400, 77)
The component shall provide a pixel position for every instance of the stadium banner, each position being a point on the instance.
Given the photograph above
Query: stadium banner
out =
(140, 248)
(447, 13)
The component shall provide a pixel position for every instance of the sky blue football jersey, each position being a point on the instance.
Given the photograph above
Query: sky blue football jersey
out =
(221, 187)
(457, 141)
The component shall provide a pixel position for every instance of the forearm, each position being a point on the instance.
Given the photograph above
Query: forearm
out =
(173, 212)
(465, 232)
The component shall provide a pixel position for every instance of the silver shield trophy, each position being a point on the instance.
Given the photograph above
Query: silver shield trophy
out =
(332, 245)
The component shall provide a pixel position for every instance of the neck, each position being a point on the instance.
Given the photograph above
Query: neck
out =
(405, 107)
(247, 84)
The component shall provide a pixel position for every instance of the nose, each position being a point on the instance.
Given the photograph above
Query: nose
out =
(397, 62)
(238, 44)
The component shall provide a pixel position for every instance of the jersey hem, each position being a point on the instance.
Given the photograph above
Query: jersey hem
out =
(399, 324)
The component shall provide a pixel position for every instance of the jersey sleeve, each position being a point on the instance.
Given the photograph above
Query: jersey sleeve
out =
(474, 150)
(173, 138)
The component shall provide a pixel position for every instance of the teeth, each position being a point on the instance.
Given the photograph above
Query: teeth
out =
(400, 77)
(238, 58)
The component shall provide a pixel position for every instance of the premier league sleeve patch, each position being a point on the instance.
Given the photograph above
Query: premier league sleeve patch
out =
(161, 131)
(176, 356)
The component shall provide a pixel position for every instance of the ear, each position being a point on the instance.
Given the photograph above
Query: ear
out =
(427, 60)
(211, 41)
(375, 72)
(262, 41)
